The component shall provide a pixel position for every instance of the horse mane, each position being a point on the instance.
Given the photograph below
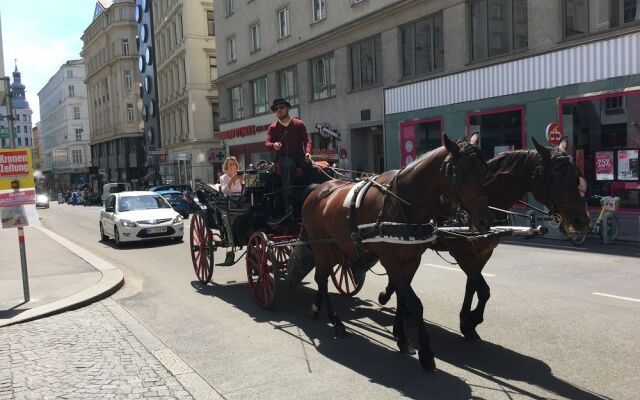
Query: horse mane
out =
(512, 162)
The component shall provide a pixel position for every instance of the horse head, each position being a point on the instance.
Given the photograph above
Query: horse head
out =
(555, 184)
(464, 171)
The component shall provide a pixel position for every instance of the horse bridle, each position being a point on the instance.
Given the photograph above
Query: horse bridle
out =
(455, 177)
(549, 176)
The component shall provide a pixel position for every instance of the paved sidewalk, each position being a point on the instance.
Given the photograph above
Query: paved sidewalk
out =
(83, 354)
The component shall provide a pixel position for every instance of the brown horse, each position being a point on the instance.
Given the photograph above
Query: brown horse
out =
(435, 184)
(551, 177)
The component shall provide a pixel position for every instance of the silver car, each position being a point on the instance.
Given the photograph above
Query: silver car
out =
(137, 216)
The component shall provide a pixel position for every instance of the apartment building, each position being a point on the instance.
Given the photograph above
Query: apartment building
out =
(392, 76)
(64, 128)
(22, 123)
(37, 148)
(185, 67)
(113, 86)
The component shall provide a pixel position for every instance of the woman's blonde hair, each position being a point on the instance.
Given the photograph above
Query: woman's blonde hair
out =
(225, 164)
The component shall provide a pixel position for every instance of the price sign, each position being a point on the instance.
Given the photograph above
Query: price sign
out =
(604, 165)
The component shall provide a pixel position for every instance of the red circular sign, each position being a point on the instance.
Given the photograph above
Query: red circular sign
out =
(554, 134)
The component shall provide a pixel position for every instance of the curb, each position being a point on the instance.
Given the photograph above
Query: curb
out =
(111, 281)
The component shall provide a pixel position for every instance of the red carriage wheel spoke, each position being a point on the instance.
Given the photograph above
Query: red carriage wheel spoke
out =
(344, 280)
(201, 250)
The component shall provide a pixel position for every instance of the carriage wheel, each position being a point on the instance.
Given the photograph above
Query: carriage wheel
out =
(202, 248)
(280, 257)
(260, 270)
(344, 280)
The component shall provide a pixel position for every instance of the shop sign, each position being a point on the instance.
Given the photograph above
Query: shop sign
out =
(628, 165)
(343, 154)
(604, 165)
(216, 156)
(554, 134)
(180, 157)
(407, 143)
(243, 131)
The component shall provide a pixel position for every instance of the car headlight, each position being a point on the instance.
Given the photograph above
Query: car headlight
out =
(178, 219)
(128, 224)
(43, 198)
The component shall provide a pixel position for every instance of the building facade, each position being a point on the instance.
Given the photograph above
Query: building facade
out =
(22, 124)
(64, 128)
(382, 71)
(117, 146)
(37, 148)
(185, 67)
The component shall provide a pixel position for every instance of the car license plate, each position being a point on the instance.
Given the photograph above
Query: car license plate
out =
(157, 230)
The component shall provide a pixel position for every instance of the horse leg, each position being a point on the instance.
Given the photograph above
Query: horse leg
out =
(469, 320)
(469, 291)
(399, 333)
(385, 295)
(340, 329)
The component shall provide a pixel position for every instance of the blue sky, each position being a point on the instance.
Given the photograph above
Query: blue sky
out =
(42, 35)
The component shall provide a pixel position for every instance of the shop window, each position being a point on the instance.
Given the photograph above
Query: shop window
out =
(500, 130)
(288, 85)
(605, 135)
(497, 27)
(428, 135)
(583, 17)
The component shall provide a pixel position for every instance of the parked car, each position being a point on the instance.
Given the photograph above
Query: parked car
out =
(177, 201)
(184, 189)
(136, 216)
(42, 200)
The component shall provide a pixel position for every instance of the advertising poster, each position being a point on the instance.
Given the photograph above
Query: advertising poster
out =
(17, 191)
(628, 165)
(604, 165)
(407, 143)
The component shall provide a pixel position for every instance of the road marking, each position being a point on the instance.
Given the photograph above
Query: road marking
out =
(451, 268)
(555, 246)
(617, 297)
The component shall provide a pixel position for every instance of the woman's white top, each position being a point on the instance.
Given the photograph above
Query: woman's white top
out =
(227, 187)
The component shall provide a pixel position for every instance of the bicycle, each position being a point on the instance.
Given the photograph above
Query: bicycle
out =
(609, 204)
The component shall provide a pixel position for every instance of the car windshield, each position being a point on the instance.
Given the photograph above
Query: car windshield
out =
(131, 203)
(173, 196)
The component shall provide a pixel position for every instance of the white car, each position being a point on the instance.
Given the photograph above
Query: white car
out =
(136, 216)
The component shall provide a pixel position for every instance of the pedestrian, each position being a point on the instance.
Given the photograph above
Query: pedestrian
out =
(289, 138)
(231, 181)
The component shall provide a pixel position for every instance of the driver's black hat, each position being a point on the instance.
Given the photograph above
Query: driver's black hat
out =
(279, 100)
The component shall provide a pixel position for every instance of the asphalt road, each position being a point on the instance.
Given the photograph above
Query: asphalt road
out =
(552, 328)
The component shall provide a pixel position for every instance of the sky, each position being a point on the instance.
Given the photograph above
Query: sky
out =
(42, 35)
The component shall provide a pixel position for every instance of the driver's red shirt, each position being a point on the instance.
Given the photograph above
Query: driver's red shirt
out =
(294, 138)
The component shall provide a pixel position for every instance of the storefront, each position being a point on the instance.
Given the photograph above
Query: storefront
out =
(596, 105)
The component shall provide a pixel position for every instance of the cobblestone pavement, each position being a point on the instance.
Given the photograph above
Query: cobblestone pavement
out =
(83, 354)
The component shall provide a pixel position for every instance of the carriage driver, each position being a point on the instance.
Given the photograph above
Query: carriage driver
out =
(289, 138)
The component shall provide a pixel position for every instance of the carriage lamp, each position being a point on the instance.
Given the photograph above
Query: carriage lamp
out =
(128, 224)
(178, 219)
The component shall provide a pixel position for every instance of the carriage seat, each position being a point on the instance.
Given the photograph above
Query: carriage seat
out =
(298, 174)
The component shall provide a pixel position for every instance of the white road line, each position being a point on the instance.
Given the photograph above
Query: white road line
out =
(617, 297)
(555, 246)
(451, 268)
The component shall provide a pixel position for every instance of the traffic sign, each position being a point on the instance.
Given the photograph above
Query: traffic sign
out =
(554, 134)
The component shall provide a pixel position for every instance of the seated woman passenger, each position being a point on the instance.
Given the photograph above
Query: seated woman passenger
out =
(231, 182)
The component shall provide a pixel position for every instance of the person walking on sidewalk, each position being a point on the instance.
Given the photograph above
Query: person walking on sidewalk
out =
(289, 138)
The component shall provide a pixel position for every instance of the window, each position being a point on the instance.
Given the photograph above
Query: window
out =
(79, 134)
(69, 73)
(213, 68)
(259, 90)
(215, 115)
(17, 117)
(318, 10)
(283, 22)
(19, 141)
(231, 49)
(323, 77)
(582, 17)
(129, 112)
(76, 112)
(125, 46)
(76, 156)
(18, 130)
(288, 85)
(229, 7)
(235, 94)
(211, 26)
(127, 79)
(254, 37)
(500, 130)
(366, 63)
(497, 27)
(72, 91)
(26, 141)
(422, 47)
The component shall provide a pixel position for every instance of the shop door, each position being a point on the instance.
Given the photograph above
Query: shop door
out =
(500, 130)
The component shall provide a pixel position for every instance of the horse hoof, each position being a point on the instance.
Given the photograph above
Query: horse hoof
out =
(314, 311)
(427, 362)
(341, 331)
(406, 348)
(383, 298)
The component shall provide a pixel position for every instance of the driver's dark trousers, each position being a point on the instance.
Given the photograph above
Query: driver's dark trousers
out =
(288, 164)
